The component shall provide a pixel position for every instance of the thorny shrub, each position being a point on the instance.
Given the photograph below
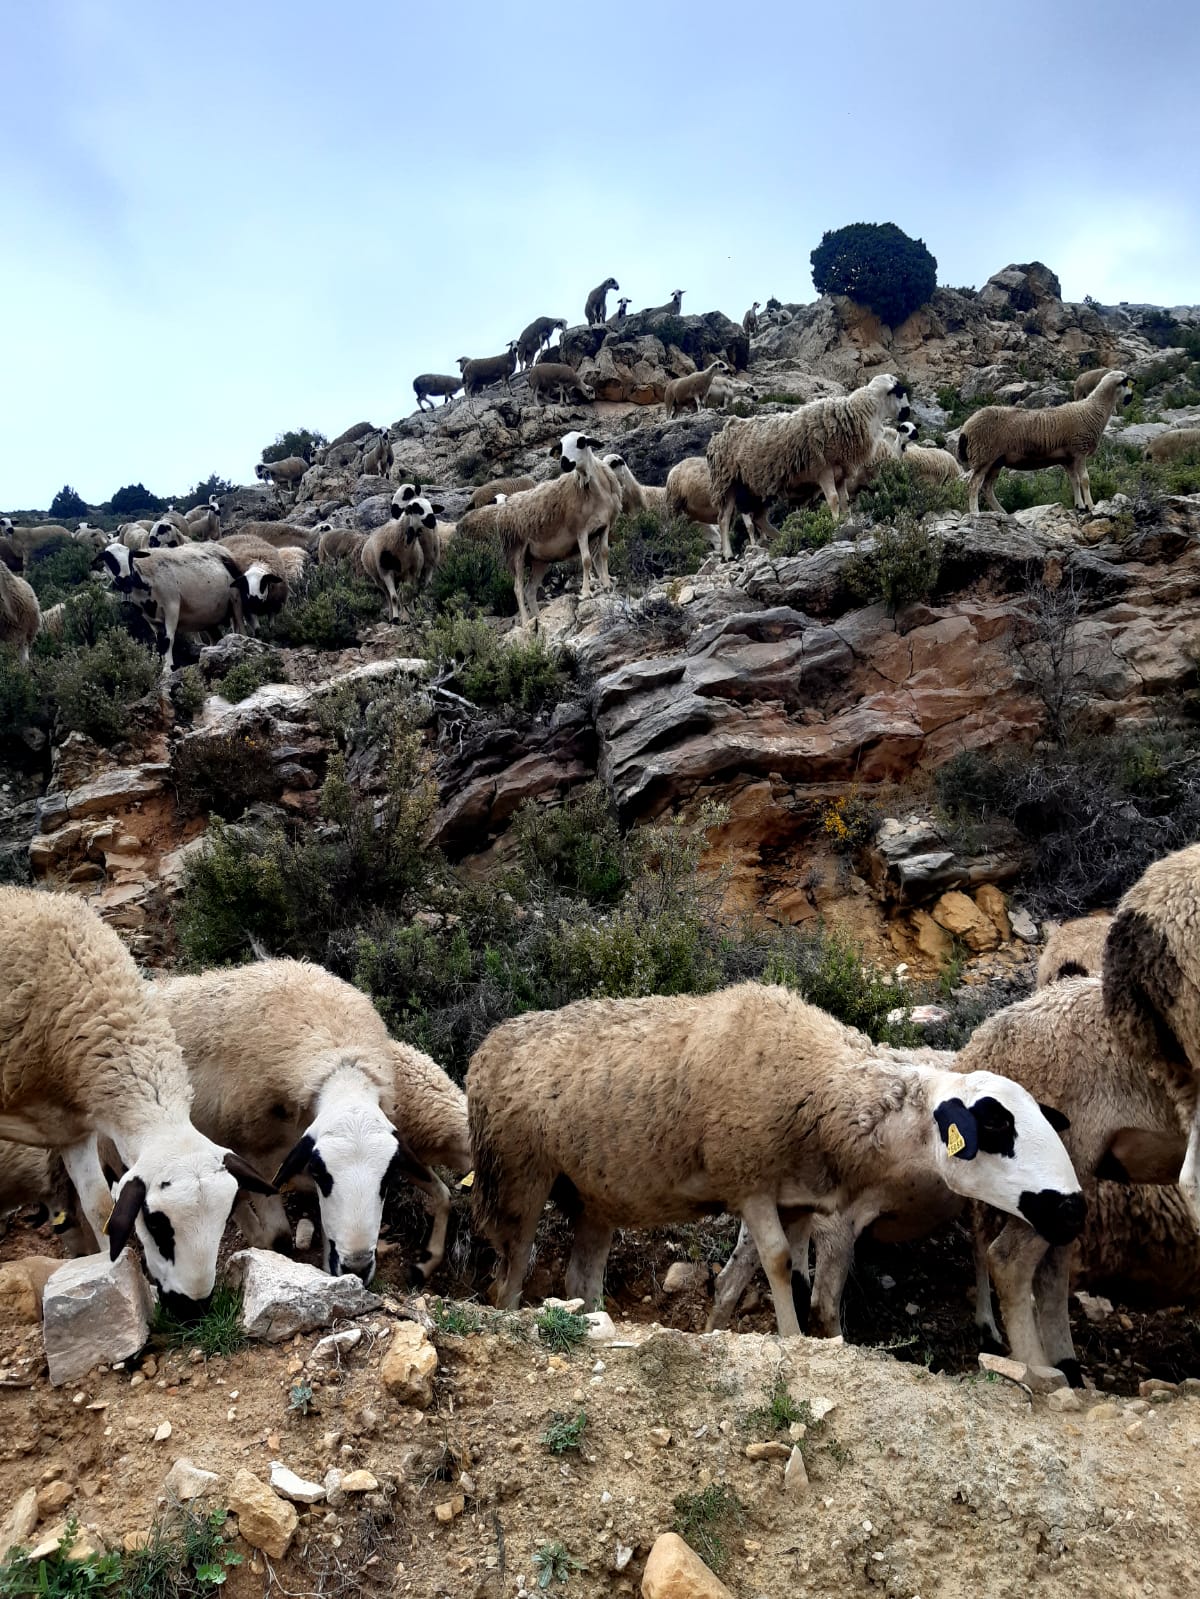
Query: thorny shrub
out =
(646, 546)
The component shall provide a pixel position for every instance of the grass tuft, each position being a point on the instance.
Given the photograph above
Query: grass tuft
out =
(218, 1332)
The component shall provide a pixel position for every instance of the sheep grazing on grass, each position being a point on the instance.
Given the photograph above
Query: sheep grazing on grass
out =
(750, 321)
(554, 379)
(287, 472)
(925, 461)
(1174, 445)
(1074, 949)
(204, 521)
(85, 1054)
(482, 372)
(658, 1110)
(312, 1087)
(1087, 381)
(442, 383)
(635, 496)
(191, 590)
(756, 460)
(20, 614)
(726, 391)
(536, 337)
(595, 308)
(487, 492)
(1001, 436)
(689, 393)
(620, 313)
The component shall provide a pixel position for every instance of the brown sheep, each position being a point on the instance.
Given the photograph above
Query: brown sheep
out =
(1074, 949)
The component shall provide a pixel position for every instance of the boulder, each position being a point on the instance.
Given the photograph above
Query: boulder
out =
(962, 918)
(22, 1284)
(992, 903)
(20, 1521)
(94, 1313)
(409, 1366)
(282, 1297)
(675, 1571)
(264, 1520)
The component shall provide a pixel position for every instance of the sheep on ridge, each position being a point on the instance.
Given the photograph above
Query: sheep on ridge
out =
(435, 383)
(750, 321)
(549, 378)
(671, 308)
(690, 392)
(289, 471)
(619, 315)
(594, 309)
(536, 336)
(482, 372)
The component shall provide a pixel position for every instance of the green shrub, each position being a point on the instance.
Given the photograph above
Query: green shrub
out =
(490, 669)
(575, 846)
(88, 613)
(21, 702)
(133, 501)
(473, 575)
(190, 692)
(67, 506)
(707, 1521)
(296, 441)
(565, 1433)
(185, 1557)
(878, 265)
(224, 773)
(804, 531)
(238, 890)
(647, 546)
(901, 566)
(327, 610)
(60, 571)
(560, 1330)
(896, 492)
(241, 680)
(830, 971)
(93, 687)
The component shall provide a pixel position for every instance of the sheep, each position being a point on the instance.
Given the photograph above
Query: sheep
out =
(670, 309)
(37, 1178)
(435, 383)
(595, 308)
(482, 372)
(85, 1054)
(282, 535)
(418, 517)
(27, 540)
(204, 521)
(619, 315)
(723, 391)
(377, 461)
(20, 614)
(287, 472)
(558, 519)
(295, 1068)
(1174, 445)
(755, 460)
(187, 590)
(134, 536)
(1074, 949)
(54, 619)
(930, 464)
(165, 535)
(95, 537)
(635, 496)
(750, 321)
(270, 574)
(337, 543)
(633, 1103)
(487, 492)
(1026, 441)
(538, 334)
(691, 391)
(888, 447)
(175, 519)
(404, 550)
(1087, 381)
(549, 377)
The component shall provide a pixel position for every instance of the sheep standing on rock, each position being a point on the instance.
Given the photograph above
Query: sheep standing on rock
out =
(189, 590)
(635, 496)
(671, 308)
(750, 321)
(1174, 445)
(664, 1109)
(487, 492)
(1001, 436)
(555, 379)
(596, 307)
(690, 392)
(287, 472)
(405, 550)
(378, 459)
(435, 383)
(482, 372)
(756, 460)
(537, 336)
(85, 1054)
(296, 1070)
(620, 313)
(341, 543)
(20, 615)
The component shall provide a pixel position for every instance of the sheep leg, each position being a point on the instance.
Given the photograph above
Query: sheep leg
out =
(1014, 1258)
(732, 1282)
(990, 1336)
(389, 588)
(589, 1256)
(585, 557)
(514, 1245)
(1084, 484)
(759, 521)
(170, 625)
(437, 1202)
(989, 490)
(518, 572)
(598, 544)
(835, 1240)
(761, 1215)
(725, 523)
(82, 1161)
(1052, 1288)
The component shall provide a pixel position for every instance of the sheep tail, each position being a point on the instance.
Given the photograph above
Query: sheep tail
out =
(964, 449)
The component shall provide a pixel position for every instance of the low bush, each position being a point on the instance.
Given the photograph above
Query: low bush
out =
(241, 680)
(186, 1556)
(575, 846)
(492, 669)
(92, 688)
(222, 774)
(473, 576)
(327, 611)
(59, 570)
(901, 565)
(897, 492)
(21, 702)
(646, 546)
(803, 531)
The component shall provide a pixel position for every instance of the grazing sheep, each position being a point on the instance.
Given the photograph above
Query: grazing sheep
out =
(204, 521)
(750, 321)
(165, 535)
(507, 486)
(1087, 381)
(888, 447)
(1074, 949)
(538, 334)
(1174, 445)
(635, 496)
(296, 1069)
(378, 460)
(20, 614)
(548, 378)
(26, 541)
(1001, 436)
(341, 543)
(189, 590)
(725, 391)
(756, 460)
(634, 1104)
(929, 463)
(690, 392)
(621, 312)
(595, 308)
(94, 537)
(559, 519)
(670, 309)
(482, 372)
(282, 535)
(289, 471)
(84, 1054)
(435, 383)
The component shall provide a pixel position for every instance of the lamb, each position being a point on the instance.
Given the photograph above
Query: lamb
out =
(538, 334)
(85, 1054)
(691, 391)
(595, 309)
(188, 590)
(378, 460)
(484, 371)
(756, 460)
(1087, 381)
(486, 494)
(204, 521)
(404, 550)
(316, 1088)
(670, 309)
(635, 496)
(550, 377)
(558, 519)
(931, 464)
(750, 321)
(619, 315)
(435, 383)
(270, 574)
(1174, 445)
(633, 1103)
(20, 614)
(1026, 441)
(289, 471)
(1074, 949)
(888, 447)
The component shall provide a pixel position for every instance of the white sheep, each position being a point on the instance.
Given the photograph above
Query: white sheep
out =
(269, 574)
(341, 543)
(283, 535)
(1087, 381)
(662, 1109)
(379, 457)
(1074, 949)
(756, 460)
(1001, 436)
(671, 308)
(188, 590)
(204, 521)
(635, 496)
(596, 305)
(295, 1068)
(20, 614)
(405, 549)
(166, 535)
(95, 537)
(726, 391)
(691, 391)
(689, 493)
(487, 492)
(619, 315)
(85, 1054)
(27, 540)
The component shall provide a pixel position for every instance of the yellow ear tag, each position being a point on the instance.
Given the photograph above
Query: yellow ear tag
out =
(468, 1181)
(59, 1219)
(954, 1140)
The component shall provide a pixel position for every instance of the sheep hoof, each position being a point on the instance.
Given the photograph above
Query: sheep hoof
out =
(989, 1345)
(415, 1276)
(1072, 1371)
(801, 1296)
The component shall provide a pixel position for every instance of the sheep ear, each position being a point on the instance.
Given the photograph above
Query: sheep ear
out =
(957, 1128)
(1057, 1120)
(437, 509)
(124, 1213)
(997, 1126)
(295, 1160)
(405, 1163)
(246, 1175)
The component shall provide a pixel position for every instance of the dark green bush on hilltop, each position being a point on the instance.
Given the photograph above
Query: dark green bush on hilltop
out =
(876, 264)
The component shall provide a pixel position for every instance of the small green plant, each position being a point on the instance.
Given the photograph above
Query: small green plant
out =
(489, 669)
(224, 774)
(473, 576)
(896, 493)
(20, 700)
(647, 546)
(779, 1412)
(902, 566)
(457, 1319)
(804, 531)
(327, 610)
(565, 1433)
(61, 570)
(185, 1557)
(560, 1330)
(190, 692)
(93, 688)
(707, 1521)
(553, 1562)
(218, 1332)
(576, 845)
(300, 1398)
(241, 680)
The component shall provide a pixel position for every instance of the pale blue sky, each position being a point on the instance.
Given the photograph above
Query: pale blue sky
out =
(225, 219)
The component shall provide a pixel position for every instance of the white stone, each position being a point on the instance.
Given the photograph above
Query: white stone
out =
(573, 1306)
(601, 1329)
(795, 1477)
(186, 1481)
(282, 1297)
(1023, 925)
(162, 1432)
(330, 1348)
(288, 1485)
(20, 1522)
(94, 1312)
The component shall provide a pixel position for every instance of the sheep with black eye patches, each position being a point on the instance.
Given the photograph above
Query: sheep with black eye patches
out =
(86, 1054)
(297, 1068)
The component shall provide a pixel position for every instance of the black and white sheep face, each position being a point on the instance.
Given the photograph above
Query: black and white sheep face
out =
(121, 566)
(996, 1144)
(894, 406)
(266, 591)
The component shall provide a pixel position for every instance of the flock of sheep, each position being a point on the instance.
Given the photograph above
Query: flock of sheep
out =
(167, 1103)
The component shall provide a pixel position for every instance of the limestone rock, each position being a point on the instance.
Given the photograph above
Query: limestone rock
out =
(291, 1486)
(601, 1329)
(772, 1450)
(282, 1297)
(186, 1481)
(95, 1312)
(1023, 925)
(409, 1366)
(55, 1496)
(330, 1349)
(961, 917)
(20, 1522)
(795, 1476)
(82, 1547)
(676, 1571)
(264, 1520)
(686, 1276)
(991, 902)
(359, 1482)
(22, 1284)
(1039, 1379)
